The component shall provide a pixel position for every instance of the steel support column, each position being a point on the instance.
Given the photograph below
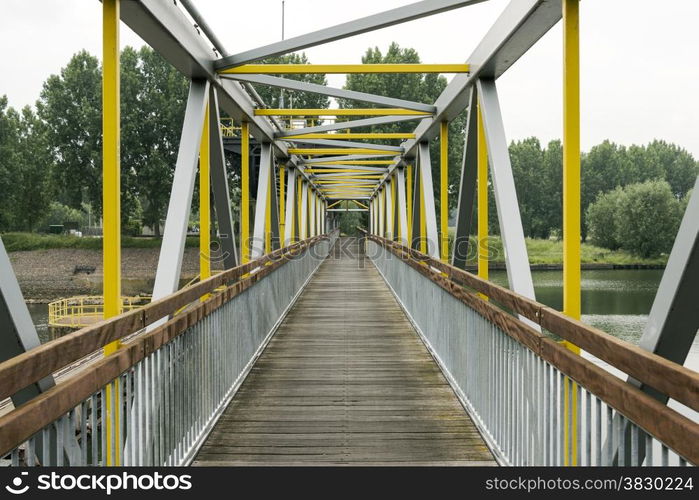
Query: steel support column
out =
(290, 207)
(245, 192)
(388, 189)
(263, 192)
(219, 184)
(402, 215)
(303, 234)
(444, 190)
(427, 202)
(172, 249)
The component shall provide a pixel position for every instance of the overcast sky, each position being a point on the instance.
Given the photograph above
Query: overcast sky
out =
(640, 58)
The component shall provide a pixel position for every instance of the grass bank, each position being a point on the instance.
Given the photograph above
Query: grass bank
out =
(15, 242)
(550, 253)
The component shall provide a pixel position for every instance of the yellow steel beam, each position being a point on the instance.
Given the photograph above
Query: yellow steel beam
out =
(245, 192)
(409, 201)
(111, 202)
(354, 135)
(334, 204)
(571, 204)
(299, 208)
(204, 203)
(339, 112)
(282, 208)
(354, 162)
(346, 177)
(482, 166)
(444, 190)
(345, 69)
(335, 151)
(360, 205)
(336, 171)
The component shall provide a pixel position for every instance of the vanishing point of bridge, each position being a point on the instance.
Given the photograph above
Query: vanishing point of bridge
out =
(311, 347)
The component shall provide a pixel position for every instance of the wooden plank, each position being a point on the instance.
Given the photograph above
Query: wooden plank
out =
(345, 380)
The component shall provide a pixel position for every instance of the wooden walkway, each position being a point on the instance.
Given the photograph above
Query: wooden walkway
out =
(345, 380)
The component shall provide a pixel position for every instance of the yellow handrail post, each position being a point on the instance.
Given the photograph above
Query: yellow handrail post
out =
(571, 205)
(444, 189)
(245, 192)
(111, 193)
(204, 204)
(409, 201)
(282, 207)
(482, 240)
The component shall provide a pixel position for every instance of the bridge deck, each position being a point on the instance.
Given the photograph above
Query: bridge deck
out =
(345, 380)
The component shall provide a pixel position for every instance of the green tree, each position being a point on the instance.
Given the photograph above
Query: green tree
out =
(70, 107)
(30, 176)
(602, 218)
(154, 97)
(9, 125)
(527, 160)
(648, 218)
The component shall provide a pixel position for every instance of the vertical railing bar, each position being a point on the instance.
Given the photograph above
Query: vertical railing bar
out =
(103, 427)
(588, 428)
(649, 450)
(664, 455)
(634, 445)
(83, 433)
(30, 453)
(610, 436)
(621, 433)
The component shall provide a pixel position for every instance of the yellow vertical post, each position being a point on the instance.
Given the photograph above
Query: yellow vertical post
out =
(282, 208)
(395, 228)
(111, 201)
(482, 201)
(409, 201)
(268, 216)
(423, 220)
(444, 190)
(204, 203)
(299, 208)
(571, 204)
(245, 192)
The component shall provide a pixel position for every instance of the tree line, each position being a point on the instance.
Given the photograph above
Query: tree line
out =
(50, 156)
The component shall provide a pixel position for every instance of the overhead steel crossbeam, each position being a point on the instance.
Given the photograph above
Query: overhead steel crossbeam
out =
(340, 112)
(344, 30)
(348, 144)
(314, 88)
(344, 69)
(344, 125)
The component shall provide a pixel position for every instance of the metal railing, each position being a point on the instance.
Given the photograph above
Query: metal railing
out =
(534, 401)
(154, 401)
(86, 310)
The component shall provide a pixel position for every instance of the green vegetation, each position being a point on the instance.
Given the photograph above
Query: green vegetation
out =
(15, 242)
(642, 218)
(550, 253)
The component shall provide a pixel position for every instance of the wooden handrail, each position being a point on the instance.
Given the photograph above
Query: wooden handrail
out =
(27, 368)
(673, 429)
(674, 380)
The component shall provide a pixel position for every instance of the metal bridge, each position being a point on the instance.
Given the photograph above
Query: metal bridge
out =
(311, 348)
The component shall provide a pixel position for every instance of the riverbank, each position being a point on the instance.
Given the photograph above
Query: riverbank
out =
(46, 275)
(548, 255)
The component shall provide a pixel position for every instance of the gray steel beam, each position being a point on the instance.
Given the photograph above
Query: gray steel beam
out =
(467, 186)
(347, 144)
(415, 222)
(17, 332)
(363, 122)
(274, 206)
(286, 83)
(347, 210)
(167, 276)
(265, 174)
(163, 26)
(428, 199)
(358, 26)
(389, 211)
(290, 212)
(219, 184)
(518, 272)
(369, 170)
